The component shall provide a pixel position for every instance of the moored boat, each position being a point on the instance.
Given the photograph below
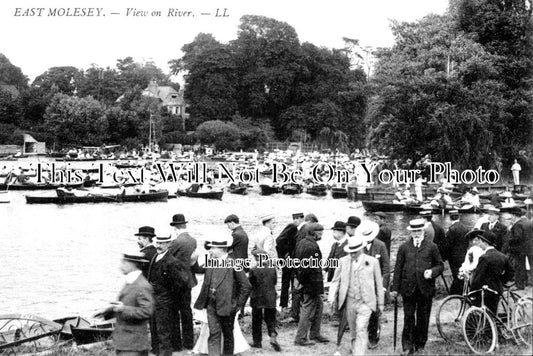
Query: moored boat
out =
(385, 206)
(339, 193)
(215, 194)
(291, 188)
(318, 190)
(90, 334)
(417, 208)
(153, 196)
(269, 189)
(44, 186)
(238, 190)
(27, 334)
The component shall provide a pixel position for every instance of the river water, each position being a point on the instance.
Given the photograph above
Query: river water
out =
(63, 260)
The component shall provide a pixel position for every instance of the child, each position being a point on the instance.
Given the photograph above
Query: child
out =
(263, 299)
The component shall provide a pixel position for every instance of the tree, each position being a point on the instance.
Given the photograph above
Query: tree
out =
(102, 84)
(223, 135)
(11, 74)
(76, 121)
(436, 92)
(62, 79)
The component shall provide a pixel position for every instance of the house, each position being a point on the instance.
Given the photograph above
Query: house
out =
(170, 98)
(32, 147)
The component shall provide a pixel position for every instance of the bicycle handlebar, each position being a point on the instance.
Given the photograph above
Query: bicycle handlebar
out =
(484, 288)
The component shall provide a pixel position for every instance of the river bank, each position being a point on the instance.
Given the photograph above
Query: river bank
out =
(287, 331)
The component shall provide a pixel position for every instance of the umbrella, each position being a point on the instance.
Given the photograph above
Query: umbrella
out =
(342, 324)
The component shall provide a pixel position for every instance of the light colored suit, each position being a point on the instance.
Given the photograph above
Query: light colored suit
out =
(371, 282)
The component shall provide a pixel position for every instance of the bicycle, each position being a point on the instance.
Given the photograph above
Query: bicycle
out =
(481, 327)
(450, 314)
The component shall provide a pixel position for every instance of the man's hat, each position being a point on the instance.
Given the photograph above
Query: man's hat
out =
(162, 239)
(454, 212)
(146, 231)
(231, 218)
(353, 221)
(311, 218)
(220, 240)
(426, 213)
(317, 227)
(138, 257)
(416, 224)
(473, 234)
(297, 216)
(506, 195)
(491, 209)
(355, 243)
(178, 219)
(368, 229)
(486, 235)
(339, 225)
(267, 217)
(381, 214)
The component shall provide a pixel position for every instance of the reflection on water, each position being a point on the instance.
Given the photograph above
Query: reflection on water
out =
(62, 260)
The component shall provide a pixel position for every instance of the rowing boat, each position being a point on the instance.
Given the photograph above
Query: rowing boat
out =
(318, 190)
(93, 333)
(269, 189)
(153, 196)
(44, 186)
(339, 193)
(291, 188)
(205, 195)
(21, 333)
(379, 205)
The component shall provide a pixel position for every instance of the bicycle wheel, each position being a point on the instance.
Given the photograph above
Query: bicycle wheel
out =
(449, 315)
(523, 320)
(479, 331)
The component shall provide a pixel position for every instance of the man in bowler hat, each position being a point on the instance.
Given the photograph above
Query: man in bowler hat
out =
(337, 248)
(239, 246)
(182, 248)
(223, 293)
(418, 263)
(144, 240)
(133, 310)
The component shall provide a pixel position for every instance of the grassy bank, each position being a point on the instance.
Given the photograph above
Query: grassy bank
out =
(435, 345)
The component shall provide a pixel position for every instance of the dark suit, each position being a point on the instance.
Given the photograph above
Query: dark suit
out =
(440, 236)
(454, 250)
(312, 288)
(263, 301)
(519, 248)
(131, 327)
(240, 243)
(384, 236)
(168, 278)
(493, 270)
(223, 293)
(378, 250)
(417, 292)
(149, 252)
(501, 235)
(285, 245)
(336, 252)
(182, 249)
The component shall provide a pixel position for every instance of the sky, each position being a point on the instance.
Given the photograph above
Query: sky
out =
(36, 43)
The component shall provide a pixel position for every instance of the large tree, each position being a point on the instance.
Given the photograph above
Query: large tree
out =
(11, 74)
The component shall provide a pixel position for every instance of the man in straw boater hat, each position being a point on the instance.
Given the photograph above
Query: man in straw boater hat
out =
(223, 293)
(168, 277)
(285, 245)
(182, 248)
(496, 227)
(264, 240)
(454, 250)
(133, 309)
(357, 289)
(418, 263)
(378, 250)
(144, 240)
(493, 270)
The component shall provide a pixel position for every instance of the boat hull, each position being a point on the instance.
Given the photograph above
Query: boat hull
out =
(161, 195)
(376, 205)
(269, 190)
(204, 195)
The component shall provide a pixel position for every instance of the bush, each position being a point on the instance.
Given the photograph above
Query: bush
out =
(223, 135)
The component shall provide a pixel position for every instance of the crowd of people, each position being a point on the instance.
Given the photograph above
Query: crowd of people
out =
(159, 278)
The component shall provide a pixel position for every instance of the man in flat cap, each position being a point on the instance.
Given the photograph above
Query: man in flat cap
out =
(239, 247)
(384, 231)
(133, 309)
(285, 245)
(182, 248)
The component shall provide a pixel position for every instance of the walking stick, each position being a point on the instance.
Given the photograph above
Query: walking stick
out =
(395, 323)
(445, 284)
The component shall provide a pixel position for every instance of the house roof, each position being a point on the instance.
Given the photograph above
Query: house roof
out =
(168, 95)
(10, 89)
